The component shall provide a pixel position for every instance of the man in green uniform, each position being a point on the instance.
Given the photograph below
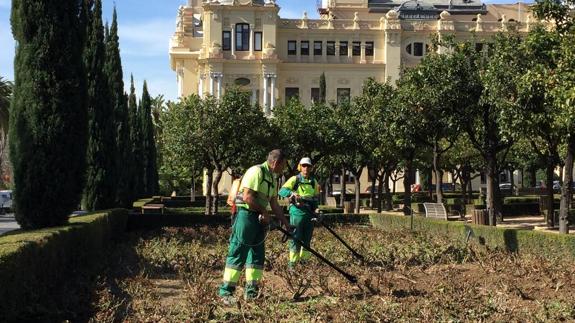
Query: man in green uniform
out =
(247, 242)
(303, 192)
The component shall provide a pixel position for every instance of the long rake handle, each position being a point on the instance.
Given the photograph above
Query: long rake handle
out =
(355, 254)
(349, 277)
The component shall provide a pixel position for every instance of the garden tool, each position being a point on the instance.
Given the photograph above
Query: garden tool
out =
(349, 277)
(354, 253)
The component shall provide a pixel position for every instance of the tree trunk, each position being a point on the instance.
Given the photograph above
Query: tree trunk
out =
(216, 190)
(532, 175)
(491, 173)
(512, 181)
(373, 172)
(326, 190)
(193, 189)
(388, 206)
(379, 192)
(342, 188)
(520, 185)
(407, 185)
(430, 183)
(209, 191)
(566, 189)
(437, 172)
(357, 189)
(549, 168)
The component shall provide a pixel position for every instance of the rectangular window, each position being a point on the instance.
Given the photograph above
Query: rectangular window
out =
(330, 48)
(304, 48)
(368, 48)
(343, 95)
(315, 94)
(343, 48)
(317, 48)
(356, 50)
(258, 41)
(291, 93)
(417, 49)
(226, 40)
(242, 37)
(292, 47)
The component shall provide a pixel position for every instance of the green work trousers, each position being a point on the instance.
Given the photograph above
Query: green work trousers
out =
(301, 220)
(247, 249)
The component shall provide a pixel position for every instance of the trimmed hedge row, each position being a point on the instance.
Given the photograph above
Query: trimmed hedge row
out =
(38, 267)
(154, 221)
(543, 243)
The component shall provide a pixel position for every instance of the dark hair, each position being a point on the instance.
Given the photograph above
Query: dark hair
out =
(276, 154)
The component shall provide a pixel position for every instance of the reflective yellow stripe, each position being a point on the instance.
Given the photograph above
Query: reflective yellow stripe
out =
(293, 256)
(231, 275)
(304, 254)
(254, 274)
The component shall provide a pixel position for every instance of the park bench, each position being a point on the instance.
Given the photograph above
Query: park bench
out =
(438, 211)
(331, 201)
(153, 208)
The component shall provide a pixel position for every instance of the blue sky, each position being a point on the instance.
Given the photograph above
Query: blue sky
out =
(145, 28)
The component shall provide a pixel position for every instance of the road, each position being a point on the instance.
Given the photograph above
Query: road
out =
(8, 223)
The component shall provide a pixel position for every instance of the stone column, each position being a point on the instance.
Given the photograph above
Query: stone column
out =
(219, 77)
(273, 92)
(252, 26)
(298, 49)
(324, 50)
(212, 83)
(201, 86)
(349, 50)
(362, 56)
(254, 96)
(233, 40)
(265, 94)
(180, 74)
(337, 50)
(312, 50)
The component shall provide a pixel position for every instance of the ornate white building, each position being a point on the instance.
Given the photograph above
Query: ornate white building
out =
(246, 43)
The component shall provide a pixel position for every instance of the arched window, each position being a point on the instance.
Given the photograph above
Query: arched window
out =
(242, 37)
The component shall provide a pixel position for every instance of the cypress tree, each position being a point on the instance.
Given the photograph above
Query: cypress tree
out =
(100, 189)
(48, 113)
(119, 103)
(137, 173)
(322, 88)
(149, 144)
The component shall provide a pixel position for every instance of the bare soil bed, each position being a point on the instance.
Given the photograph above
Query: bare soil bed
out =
(173, 274)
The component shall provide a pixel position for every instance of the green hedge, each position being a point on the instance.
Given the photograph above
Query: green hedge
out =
(154, 221)
(38, 268)
(543, 243)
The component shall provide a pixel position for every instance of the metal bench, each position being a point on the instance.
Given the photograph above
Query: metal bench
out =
(438, 211)
(153, 209)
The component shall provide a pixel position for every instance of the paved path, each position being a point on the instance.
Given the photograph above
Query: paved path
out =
(8, 223)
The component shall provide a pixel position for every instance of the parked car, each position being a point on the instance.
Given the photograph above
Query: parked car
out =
(338, 191)
(368, 189)
(506, 186)
(5, 201)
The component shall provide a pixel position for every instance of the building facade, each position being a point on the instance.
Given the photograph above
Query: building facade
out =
(247, 44)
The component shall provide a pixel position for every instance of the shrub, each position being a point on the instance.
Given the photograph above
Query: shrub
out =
(542, 243)
(38, 269)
